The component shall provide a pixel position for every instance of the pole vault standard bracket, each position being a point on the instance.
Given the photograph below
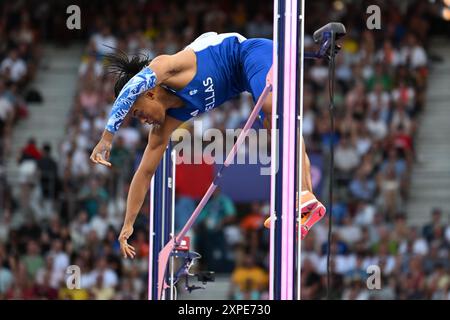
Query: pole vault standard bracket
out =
(182, 252)
(162, 230)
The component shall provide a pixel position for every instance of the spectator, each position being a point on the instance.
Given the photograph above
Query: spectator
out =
(30, 151)
(362, 187)
(99, 223)
(101, 277)
(388, 54)
(6, 110)
(218, 215)
(251, 226)
(14, 68)
(104, 42)
(48, 172)
(126, 291)
(141, 244)
(259, 27)
(100, 291)
(436, 222)
(389, 187)
(379, 101)
(248, 280)
(44, 290)
(346, 158)
(6, 276)
(48, 275)
(92, 197)
(438, 283)
(120, 159)
(32, 261)
(311, 282)
(412, 53)
(60, 257)
(377, 126)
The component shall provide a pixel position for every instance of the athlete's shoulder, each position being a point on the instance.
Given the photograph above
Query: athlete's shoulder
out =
(174, 63)
(212, 38)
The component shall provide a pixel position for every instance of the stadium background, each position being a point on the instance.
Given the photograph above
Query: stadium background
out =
(58, 209)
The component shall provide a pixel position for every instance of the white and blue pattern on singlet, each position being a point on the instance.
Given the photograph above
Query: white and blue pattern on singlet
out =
(222, 72)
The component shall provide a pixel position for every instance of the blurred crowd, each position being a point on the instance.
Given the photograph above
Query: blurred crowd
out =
(380, 96)
(19, 56)
(381, 81)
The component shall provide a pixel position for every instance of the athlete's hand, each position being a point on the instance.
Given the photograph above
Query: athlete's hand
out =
(126, 249)
(101, 152)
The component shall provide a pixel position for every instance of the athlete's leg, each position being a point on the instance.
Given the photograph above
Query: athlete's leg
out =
(309, 203)
(306, 164)
(256, 55)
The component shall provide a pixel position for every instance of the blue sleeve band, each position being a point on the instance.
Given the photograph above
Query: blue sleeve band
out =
(142, 81)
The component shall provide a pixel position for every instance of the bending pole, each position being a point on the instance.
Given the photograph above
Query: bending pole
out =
(164, 255)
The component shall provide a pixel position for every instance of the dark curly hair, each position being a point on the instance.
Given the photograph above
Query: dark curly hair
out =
(125, 67)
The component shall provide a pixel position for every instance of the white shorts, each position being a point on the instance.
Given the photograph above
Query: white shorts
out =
(211, 39)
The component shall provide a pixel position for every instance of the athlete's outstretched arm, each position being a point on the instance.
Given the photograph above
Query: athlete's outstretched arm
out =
(159, 70)
(157, 143)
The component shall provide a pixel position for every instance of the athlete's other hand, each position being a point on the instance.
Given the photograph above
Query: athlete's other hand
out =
(126, 249)
(101, 152)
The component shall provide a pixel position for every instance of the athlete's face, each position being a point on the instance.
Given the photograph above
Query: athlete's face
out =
(149, 109)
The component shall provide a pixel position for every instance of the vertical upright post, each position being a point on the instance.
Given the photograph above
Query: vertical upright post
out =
(273, 147)
(299, 113)
(167, 201)
(286, 164)
(152, 264)
(156, 231)
(172, 185)
(276, 168)
(160, 217)
(288, 146)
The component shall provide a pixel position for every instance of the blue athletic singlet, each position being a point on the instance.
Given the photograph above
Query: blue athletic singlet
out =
(227, 64)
